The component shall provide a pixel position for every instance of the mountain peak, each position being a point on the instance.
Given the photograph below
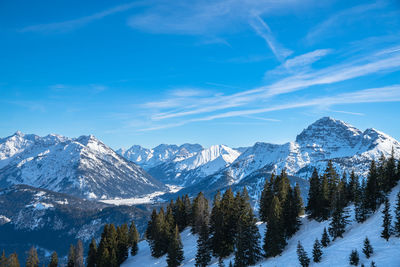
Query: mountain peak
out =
(327, 130)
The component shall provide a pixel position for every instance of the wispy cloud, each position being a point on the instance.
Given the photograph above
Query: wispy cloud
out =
(343, 17)
(348, 112)
(368, 64)
(69, 25)
(263, 30)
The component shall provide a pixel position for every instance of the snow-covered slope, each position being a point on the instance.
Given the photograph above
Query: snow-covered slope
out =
(192, 169)
(326, 139)
(336, 254)
(148, 158)
(81, 166)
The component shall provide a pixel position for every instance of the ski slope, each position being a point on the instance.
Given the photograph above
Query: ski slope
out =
(385, 254)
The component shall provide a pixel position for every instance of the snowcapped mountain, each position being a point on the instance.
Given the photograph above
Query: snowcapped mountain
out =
(189, 170)
(326, 139)
(148, 158)
(82, 166)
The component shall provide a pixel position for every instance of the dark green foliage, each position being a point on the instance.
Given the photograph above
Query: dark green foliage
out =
(324, 198)
(216, 225)
(325, 240)
(372, 188)
(266, 198)
(313, 208)
(302, 255)
(292, 208)
(133, 238)
(71, 256)
(122, 249)
(92, 254)
(203, 255)
(79, 254)
(53, 260)
(13, 260)
(352, 187)
(367, 249)
(354, 258)
(247, 245)
(387, 219)
(317, 251)
(274, 239)
(396, 229)
(361, 204)
(107, 250)
(175, 249)
(339, 221)
(200, 212)
(32, 260)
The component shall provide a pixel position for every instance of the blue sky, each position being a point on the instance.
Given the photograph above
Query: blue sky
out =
(208, 72)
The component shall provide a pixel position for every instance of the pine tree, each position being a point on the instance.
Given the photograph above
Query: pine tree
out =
(92, 254)
(13, 260)
(3, 259)
(325, 240)
(339, 221)
(133, 238)
(203, 255)
(353, 187)
(216, 224)
(187, 214)
(33, 259)
(361, 204)
(391, 172)
(266, 198)
(122, 249)
(372, 188)
(200, 212)
(325, 198)
(302, 255)
(354, 258)
(317, 251)
(387, 219)
(274, 239)
(333, 182)
(79, 254)
(175, 249)
(53, 260)
(229, 223)
(71, 256)
(396, 228)
(313, 208)
(247, 245)
(367, 250)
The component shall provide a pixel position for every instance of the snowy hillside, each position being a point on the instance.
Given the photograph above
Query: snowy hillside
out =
(336, 254)
(82, 166)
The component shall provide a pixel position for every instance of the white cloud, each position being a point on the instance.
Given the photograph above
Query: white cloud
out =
(69, 25)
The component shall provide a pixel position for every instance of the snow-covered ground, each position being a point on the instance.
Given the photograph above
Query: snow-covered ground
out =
(145, 199)
(385, 254)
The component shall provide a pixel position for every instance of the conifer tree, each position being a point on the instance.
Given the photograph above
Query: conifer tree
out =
(247, 245)
(3, 259)
(216, 223)
(372, 188)
(71, 256)
(339, 221)
(122, 248)
(298, 200)
(302, 255)
(325, 199)
(133, 238)
(354, 258)
(387, 219)
(200, 212)
(79, 254)
(317, 251)
(187, 210)
(391, 171)
(13, 260)
(290, 213)
(33, 259)
(396, 229)
(367, 249)
(361, 204)
(203, 255)
(274, 239)
(92, 254)
(175, 249)
(313, 208)
(325, 240)
(53, 260)
(266, 198)
(353, 187)
(333, 182)
(229, 223)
